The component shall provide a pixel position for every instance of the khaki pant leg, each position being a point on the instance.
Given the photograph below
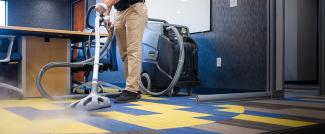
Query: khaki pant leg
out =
(135, 22)
(120, 33)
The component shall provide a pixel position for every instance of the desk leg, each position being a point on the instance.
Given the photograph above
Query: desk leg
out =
(69, 69)
(23, 64)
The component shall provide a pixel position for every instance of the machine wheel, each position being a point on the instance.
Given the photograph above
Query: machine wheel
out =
(170, 93)
(101, 89)
(87, 91)
(74, 91)
(189, 91)
(176, 91)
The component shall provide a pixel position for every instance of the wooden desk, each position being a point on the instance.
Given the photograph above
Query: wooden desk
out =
(39, 47)
(74, 36)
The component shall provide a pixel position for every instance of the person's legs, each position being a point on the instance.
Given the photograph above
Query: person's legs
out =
(120, 33)
(135, 21)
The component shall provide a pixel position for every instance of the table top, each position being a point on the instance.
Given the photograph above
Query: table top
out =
(17, 30)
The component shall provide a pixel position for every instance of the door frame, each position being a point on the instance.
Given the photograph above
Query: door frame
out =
(321, 45)
(276, 47)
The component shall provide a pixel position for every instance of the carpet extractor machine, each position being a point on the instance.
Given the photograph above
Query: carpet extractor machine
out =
(93, 100)
(169, 59)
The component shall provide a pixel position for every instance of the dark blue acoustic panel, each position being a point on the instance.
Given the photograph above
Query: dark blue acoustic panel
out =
(239, 37)
(53, 14)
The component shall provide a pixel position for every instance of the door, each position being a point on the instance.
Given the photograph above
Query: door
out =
(301, 48)
(78, 25)
(278, 39)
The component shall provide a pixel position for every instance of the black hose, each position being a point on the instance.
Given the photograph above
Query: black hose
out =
(89, 61)
(88, 16)
(14, 89)
(51, 65)
(178, 70)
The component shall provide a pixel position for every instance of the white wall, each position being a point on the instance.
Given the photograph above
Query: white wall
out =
(2, 13)
(291, 40)
(192, 13)
(301, 40)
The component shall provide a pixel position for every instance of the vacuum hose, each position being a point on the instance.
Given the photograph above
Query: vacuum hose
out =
(178, 70)
(51, 65)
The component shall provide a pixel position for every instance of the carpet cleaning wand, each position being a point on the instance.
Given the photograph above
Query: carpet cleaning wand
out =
(94, 101)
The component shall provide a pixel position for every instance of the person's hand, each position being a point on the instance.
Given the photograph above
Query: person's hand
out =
(109, 27)
(107, 22)
(101, 8)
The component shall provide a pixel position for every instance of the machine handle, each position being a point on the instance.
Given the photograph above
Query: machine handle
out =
(158, 20)
(151, 52)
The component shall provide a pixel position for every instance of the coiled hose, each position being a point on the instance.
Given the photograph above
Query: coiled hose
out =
(89, 61)
(52, 65)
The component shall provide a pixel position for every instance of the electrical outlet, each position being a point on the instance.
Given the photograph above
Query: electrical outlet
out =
(233, 3)
(219, 62)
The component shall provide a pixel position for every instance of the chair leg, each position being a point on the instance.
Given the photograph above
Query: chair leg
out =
(82, 86)
(105, 84)
(101, 85)
(13, 89)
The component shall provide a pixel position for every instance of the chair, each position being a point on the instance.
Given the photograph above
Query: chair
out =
(108, 63)
(7, 56)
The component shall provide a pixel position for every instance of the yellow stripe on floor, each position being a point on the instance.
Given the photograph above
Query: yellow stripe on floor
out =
(275, 121)
(39, 104)
(168, 116)
(148, 97)
(12, 123)
(232, 109)
(261, 119)
(111, 90)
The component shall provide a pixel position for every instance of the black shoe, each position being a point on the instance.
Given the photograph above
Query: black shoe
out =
(139, 95)
(127, 96)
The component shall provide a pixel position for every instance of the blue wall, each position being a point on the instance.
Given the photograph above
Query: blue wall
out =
(54, 14)
(239, 36)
